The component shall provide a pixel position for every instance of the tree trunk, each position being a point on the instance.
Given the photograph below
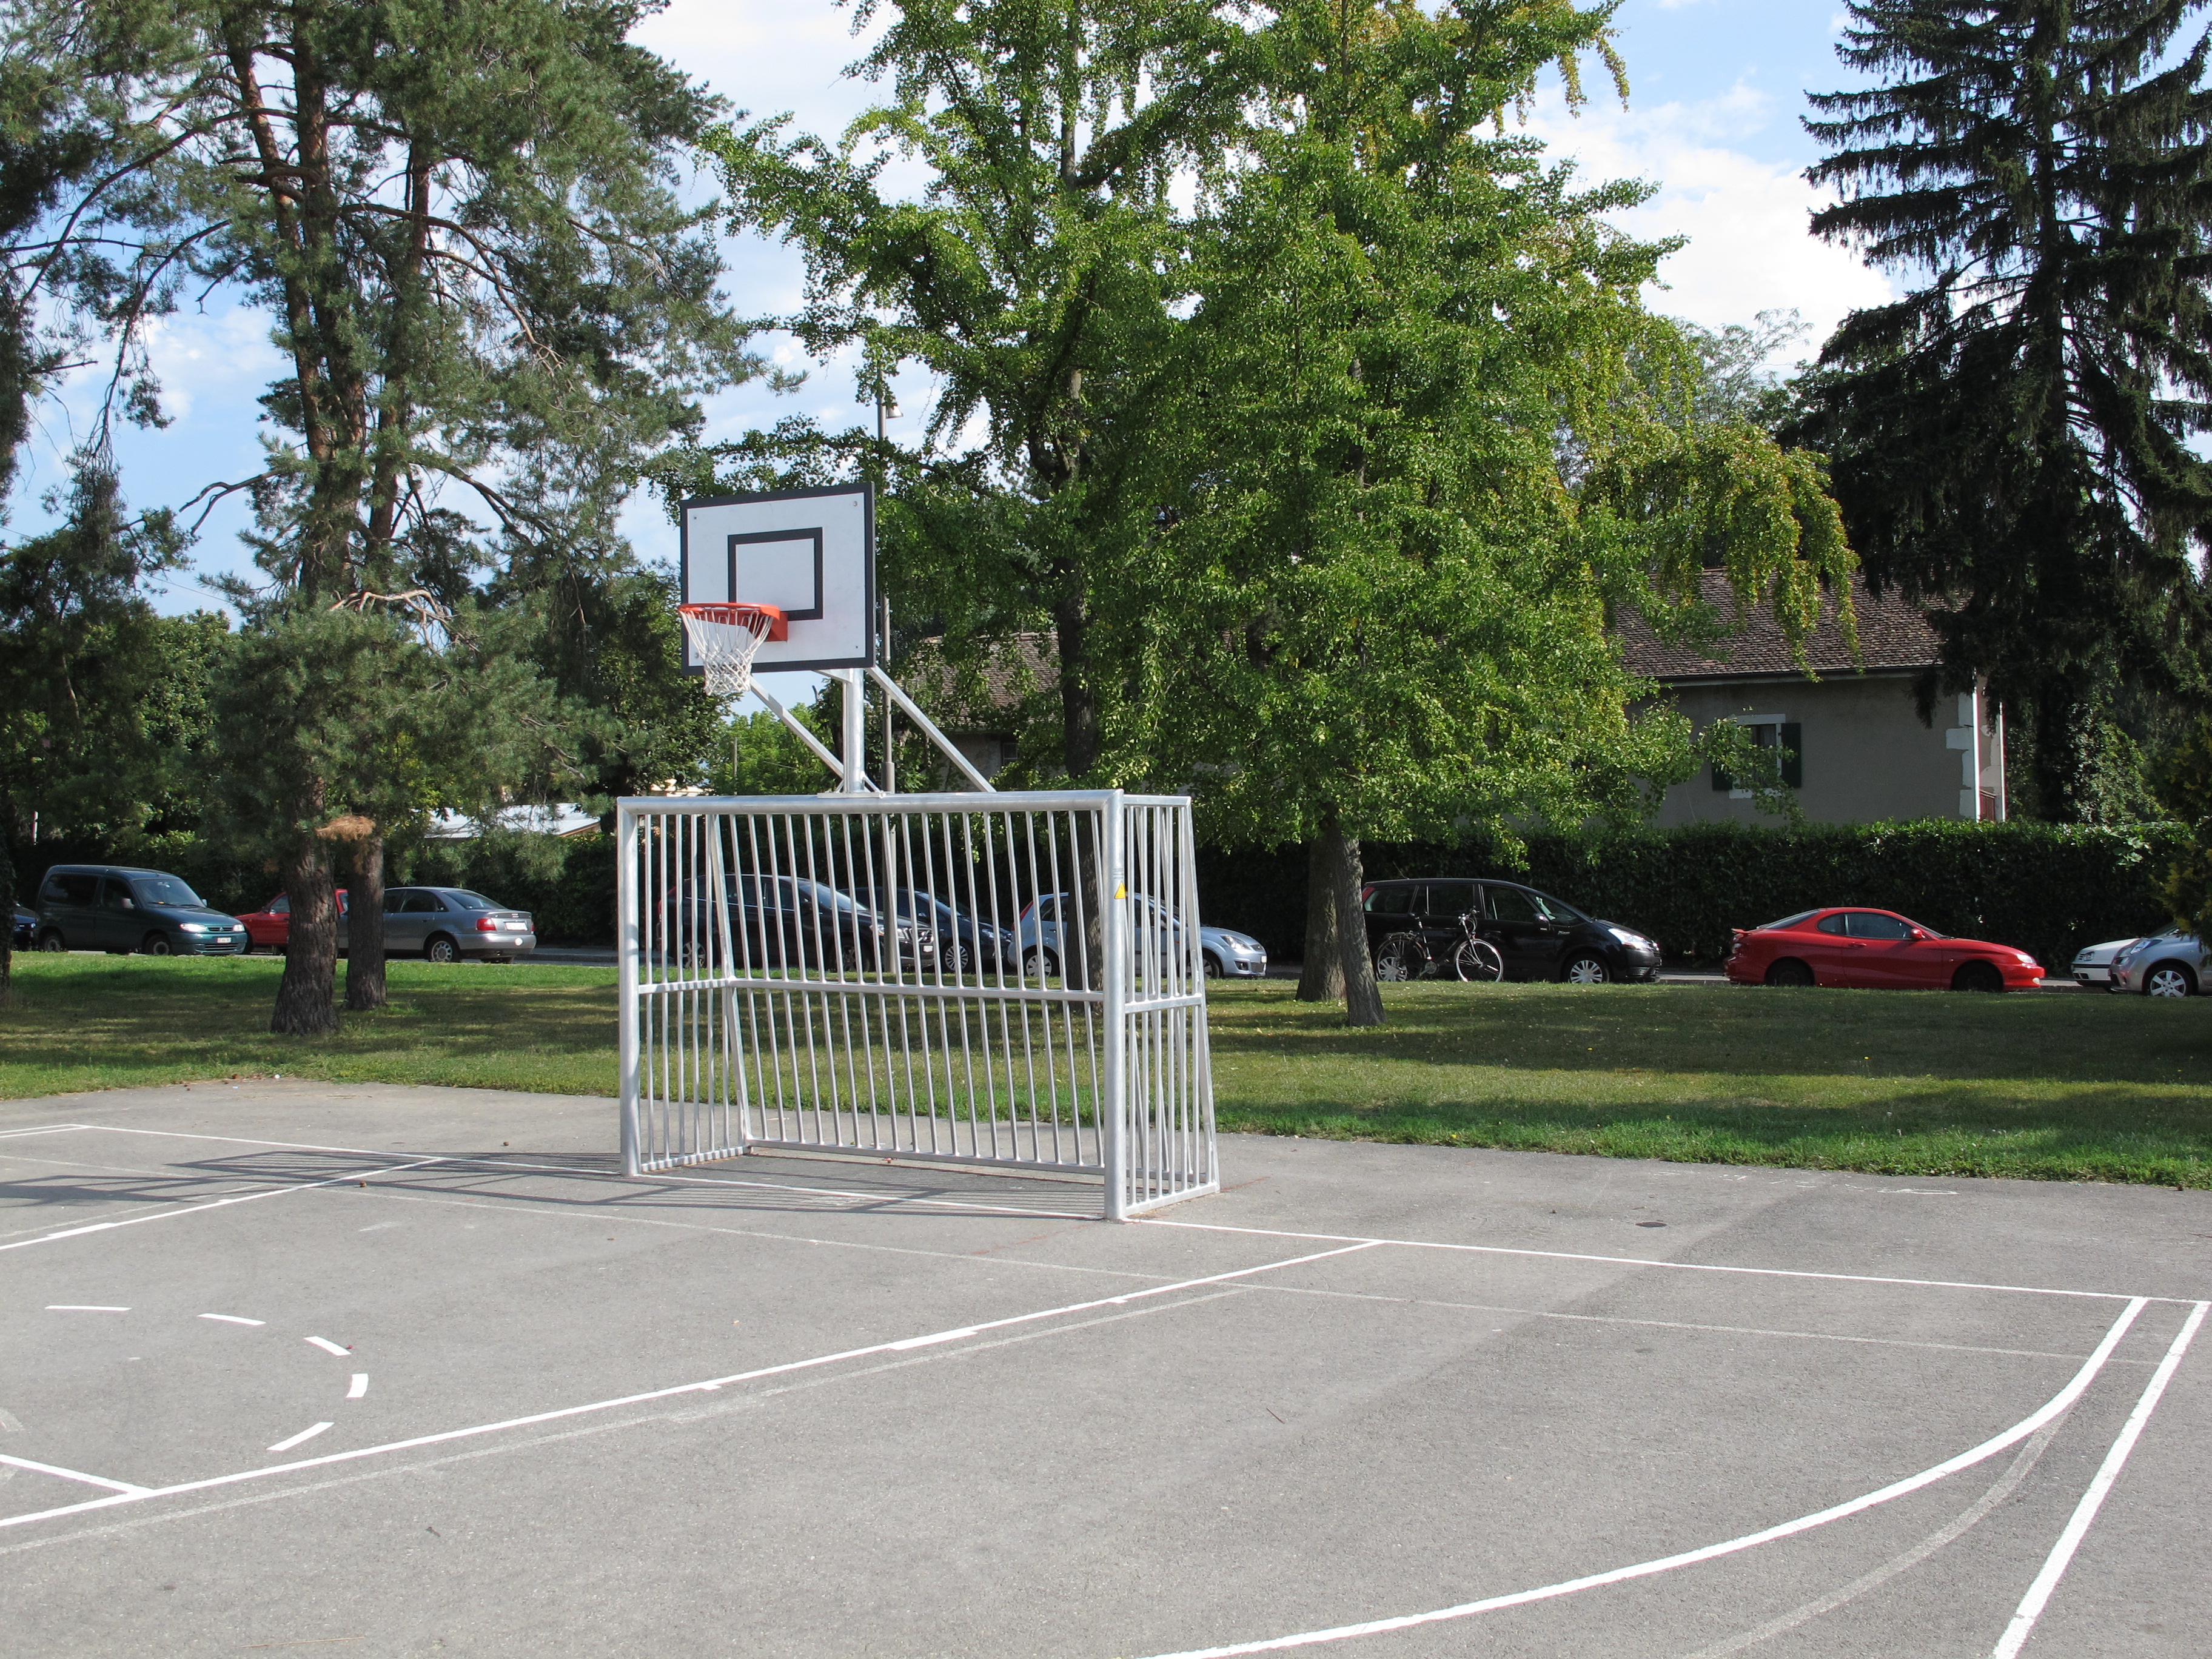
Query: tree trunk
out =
(1363, 997)
(303, 997)
(365, 927)
(1079, 705)
(1322, 979)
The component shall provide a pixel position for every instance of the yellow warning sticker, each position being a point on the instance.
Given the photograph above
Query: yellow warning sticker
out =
(1121, 891)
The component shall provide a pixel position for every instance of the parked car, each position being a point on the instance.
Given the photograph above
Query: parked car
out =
(789, 921)
(447, 923)
(270, 928)
(2171, 964)
(26, 927)
(1875, 949)
(1539, 937)
(120, 908)
(2092, 963)
(962, 942)
(1222, 953)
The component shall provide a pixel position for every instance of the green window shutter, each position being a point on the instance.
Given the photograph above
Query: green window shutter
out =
(1793, 767)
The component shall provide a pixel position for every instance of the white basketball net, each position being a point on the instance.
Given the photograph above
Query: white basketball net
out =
(724, 637)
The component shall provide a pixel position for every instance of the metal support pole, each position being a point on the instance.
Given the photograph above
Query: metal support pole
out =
(1114, 1091)
(626, 889)
(855, 704)
(890, 760)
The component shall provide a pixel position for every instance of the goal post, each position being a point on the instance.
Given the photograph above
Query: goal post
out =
(1012, 981)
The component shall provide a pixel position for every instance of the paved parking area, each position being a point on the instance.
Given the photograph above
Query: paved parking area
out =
(373, 1370)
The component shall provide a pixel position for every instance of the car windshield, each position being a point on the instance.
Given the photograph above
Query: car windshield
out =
(167, 890)
(1786, 921)
(830, 898)
(1556, 910)
(463, 900)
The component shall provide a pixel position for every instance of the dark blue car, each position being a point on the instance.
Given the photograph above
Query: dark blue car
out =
(119, 909)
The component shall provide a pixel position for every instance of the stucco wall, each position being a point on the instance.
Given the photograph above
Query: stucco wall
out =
(1866, 755)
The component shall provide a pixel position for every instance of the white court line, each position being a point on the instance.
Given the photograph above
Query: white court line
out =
(2049, 1412)
(709, 1386)
(1150, 1221)
(81, 1307)
(43, 1129)
(326, 1346)
(1651, 1261)
(220, 1203)
(2085, 1512)
(122, 1486)
(234, 1319)
(304, 1434)
(358, 1387)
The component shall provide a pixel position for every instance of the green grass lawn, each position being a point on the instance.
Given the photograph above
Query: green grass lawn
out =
(2054, 1087)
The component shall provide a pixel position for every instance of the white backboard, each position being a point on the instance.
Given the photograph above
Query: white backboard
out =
(810, 551)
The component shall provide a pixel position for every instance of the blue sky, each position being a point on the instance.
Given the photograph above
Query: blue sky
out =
(1717, 94)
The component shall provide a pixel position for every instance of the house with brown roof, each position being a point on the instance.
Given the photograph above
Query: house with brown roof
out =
(1860, 751)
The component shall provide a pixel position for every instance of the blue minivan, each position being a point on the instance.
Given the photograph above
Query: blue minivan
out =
(114, 908)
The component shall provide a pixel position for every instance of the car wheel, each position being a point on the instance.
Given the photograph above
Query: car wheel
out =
(155, 945)
(958, 959)
(1477, 960)
(1213, 966)
(51, 940)
(1977, 976)
(1790, 971)
(1400, 958)
(1586, 968)
(1040, 964)
(2169, 979)
(442, 948)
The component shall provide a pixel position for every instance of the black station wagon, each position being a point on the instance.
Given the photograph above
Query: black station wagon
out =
(1540, 937)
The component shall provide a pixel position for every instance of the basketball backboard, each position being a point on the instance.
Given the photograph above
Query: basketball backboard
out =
(811, 552)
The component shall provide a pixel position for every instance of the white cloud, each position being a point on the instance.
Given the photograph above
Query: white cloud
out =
(1749, 249)
(220, 358)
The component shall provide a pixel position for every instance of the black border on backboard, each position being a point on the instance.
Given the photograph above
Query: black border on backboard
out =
(868, 495)
(812, 533)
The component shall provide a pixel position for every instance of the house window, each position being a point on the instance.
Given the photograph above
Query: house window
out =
(1770, 731)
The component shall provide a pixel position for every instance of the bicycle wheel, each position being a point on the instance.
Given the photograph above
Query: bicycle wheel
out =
(1478, 959)
(1401, 957)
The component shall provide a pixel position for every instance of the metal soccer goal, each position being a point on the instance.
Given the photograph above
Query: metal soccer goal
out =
(1012, 980)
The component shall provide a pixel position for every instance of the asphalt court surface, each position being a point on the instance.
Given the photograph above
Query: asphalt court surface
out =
(385, 1371)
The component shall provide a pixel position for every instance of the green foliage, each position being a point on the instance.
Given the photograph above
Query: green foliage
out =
(2047, 889)
(1410, 474)
(2017, 441)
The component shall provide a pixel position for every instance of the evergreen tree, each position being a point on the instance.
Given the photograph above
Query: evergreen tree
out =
(2015, 443)
(463, 222)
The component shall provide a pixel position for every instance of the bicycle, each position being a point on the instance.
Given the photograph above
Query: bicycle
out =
(1403, 956)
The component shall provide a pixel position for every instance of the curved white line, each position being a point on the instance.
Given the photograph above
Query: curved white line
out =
(360, 1386)
(2051, 1408)
(326, 1346)
(2085, 1512)
(234, 1319)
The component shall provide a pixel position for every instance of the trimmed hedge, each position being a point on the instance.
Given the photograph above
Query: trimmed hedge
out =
(2046, 888)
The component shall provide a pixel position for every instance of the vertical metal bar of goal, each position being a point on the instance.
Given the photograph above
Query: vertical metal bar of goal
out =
(626, 906)
(1113, 900)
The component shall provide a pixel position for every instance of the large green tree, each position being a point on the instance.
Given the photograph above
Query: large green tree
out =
(465, 224)
(1032, 277)
(2017, 441)
(1412, 471)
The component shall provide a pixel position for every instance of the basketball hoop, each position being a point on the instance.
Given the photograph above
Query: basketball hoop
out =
(724, 637)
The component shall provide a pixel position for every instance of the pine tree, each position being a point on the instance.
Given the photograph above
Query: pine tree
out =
(2013, 442)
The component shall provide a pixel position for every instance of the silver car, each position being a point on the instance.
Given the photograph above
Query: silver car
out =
(447, 923)
(2092, 963)
(2170, 965)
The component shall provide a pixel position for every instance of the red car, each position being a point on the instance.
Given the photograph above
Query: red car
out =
(1877, 950)
(270, 928)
